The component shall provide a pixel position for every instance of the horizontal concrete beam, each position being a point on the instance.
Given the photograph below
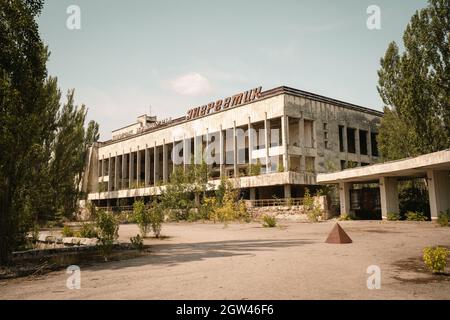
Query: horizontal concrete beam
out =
(407, 167)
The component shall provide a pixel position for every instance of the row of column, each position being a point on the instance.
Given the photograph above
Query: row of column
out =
(438, 193)
(128, 164)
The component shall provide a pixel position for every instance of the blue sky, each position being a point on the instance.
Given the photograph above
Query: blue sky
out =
(173, 55)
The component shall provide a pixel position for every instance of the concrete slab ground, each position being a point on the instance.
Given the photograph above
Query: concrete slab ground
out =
(246, 261)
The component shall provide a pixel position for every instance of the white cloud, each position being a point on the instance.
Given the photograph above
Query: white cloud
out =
(191, 84)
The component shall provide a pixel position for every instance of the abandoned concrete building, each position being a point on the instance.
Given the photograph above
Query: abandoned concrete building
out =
(291, 134)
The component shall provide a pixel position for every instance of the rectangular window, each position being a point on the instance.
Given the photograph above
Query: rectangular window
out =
(363, 142)
(351, 145)
(373, 140)
(341, 138)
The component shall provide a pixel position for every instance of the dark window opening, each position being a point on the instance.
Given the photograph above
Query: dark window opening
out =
(373, 140)
(351, 146)
(341, 138)
(363, 142)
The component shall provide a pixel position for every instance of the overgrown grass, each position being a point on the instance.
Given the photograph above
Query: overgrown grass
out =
(269, 221)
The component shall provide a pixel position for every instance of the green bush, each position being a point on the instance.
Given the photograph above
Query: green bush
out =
(415, 216)
(346, 217)
(67, 232)
(141, 216)
(435, 259)
(393, 216)
(108, 231)
(269, 221)
(156, 218)
(443, 218)
(137, 242)
(88, 231)
(311, 209)
(254, 169)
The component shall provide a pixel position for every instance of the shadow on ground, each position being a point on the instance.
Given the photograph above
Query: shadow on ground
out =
(174, 254)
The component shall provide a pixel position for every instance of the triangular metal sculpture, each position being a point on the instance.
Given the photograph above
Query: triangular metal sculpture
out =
(338, 235)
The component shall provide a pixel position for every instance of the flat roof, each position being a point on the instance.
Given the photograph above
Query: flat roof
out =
(264, 95)
(416, 166)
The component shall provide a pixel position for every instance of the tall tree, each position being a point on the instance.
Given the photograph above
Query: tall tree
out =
(69, 152)
(24, 114)
(415, 86)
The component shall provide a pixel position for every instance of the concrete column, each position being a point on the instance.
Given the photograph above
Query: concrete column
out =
(131, 169)
(116, 172)
(285, 141)
(301, 132)
(235, 151)
(103, 168)
(314, 133)
(369, 144)
(267, 141)
(198, 144)
(302, 163)
(287, 191)
(438, 191)
(250, 141)
(124, 170)
(357, 145)
(389, 196)
(344, 140)
(222, 153)
(186, 153)
(156, 165)
(110, 173)
(252, 193)
(138, 167)
(344, 197)
(147, 166)
(165, 164)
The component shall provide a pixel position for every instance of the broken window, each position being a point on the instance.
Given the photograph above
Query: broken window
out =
(351, 145)
(373, 140)
(363, 142)
(341, 138)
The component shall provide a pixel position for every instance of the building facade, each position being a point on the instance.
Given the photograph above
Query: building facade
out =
(291, 135)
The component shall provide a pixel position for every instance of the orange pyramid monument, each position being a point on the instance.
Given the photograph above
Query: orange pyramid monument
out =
(338, 235)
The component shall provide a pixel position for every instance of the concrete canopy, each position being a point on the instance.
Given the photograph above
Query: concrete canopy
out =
(409, 167)
(435, 167)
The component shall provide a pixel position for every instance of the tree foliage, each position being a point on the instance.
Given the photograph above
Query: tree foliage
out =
(415, 86)
(43, 146)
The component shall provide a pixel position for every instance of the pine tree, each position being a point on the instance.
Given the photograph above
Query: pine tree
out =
(415, 86)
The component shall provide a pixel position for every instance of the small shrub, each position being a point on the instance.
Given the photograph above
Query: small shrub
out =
(88, 231)
(156, 218)
(67, 232)
(443, 218)
(142, 217)
(311, 209)
(415, 216)
(137, 242)
(435, 259)
(269, 221)
(254, 169)
(280, 167)
(393, 216)
(346, 217)
(108, 231)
